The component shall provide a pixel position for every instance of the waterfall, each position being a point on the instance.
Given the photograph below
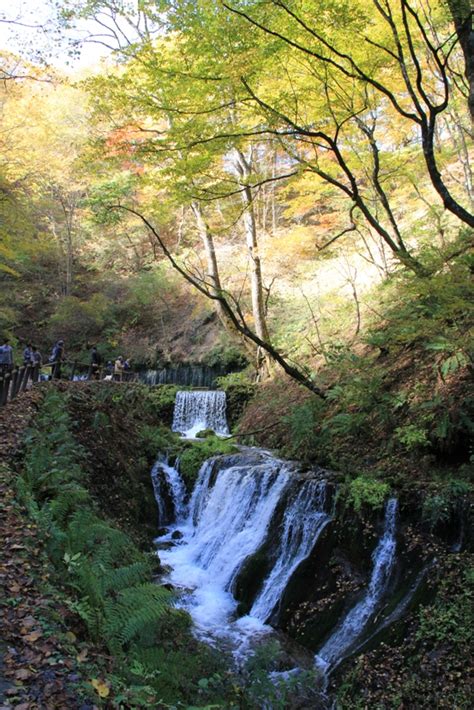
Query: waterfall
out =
(183, 375)
(162, 472)
(305, 519)
(236, 502)
(234, 516)
(352, 626)
(196, 411)
(156, 481)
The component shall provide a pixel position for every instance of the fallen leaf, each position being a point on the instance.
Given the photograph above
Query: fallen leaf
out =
(101, 688)
(34, 636)
(23, 674)
(82, 656)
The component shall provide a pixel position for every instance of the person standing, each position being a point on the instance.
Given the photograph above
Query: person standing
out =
(28, 355)
(57, 357)
(6, 357)
(37, 360)
(118, 369)
(96, 362)
(127, 370)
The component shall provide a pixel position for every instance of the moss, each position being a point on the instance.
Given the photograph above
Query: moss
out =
(155, 439)
(205, 433)
(239, 391)
(192, 455)
(159, 401)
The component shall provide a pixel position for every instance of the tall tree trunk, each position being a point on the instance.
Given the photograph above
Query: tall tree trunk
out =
(213, 276)
(251, 237)
(462, 13)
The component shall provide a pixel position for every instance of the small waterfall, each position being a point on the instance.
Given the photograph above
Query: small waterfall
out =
(196, 411)
(348, 632)
(200, 492)
(305, 519)
(169, 475)
(156, 481)
(183, 375)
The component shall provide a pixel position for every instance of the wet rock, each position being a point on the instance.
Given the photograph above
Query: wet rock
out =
(177, 535)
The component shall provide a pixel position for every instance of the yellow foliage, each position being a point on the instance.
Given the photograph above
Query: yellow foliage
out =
(101, 687)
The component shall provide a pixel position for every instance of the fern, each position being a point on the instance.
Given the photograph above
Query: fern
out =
(68, 501)
(136, 614)
(128, 576)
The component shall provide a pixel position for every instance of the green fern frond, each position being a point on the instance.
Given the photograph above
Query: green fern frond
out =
(69, 501)
(136, 612)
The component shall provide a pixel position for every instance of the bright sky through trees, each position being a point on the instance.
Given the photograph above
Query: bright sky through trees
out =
(24, 25)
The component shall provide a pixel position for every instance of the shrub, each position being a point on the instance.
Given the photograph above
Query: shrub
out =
(439, 507)
(367, 492)
(412, 436)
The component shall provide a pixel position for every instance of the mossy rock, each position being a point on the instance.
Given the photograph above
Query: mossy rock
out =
(192, 455)
(205, 434)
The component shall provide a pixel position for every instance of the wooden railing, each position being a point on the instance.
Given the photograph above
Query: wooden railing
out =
(16, 380)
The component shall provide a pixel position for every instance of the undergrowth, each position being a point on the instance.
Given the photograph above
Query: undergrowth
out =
(108, 579)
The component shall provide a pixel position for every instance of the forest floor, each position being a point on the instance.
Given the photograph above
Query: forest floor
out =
(41, 656)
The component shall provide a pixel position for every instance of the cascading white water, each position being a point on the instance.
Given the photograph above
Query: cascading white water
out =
(176, 487)
(183, 375)
(231, 521)
(350, 629)
(196, 411)
(305, 519)
(155, 479)
(230, 513)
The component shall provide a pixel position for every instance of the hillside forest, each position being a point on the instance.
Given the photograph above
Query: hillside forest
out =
(282, 189)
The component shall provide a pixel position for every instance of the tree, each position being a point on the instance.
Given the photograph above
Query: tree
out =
(462, 13)
(395, 39)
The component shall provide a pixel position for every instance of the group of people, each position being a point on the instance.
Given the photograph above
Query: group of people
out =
(31, 356)
(118, 370)
(121, 368)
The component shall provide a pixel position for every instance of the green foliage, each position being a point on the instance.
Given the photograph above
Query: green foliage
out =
(278, 692)
(226, 356)
(412, 436)
(450, 619)
(303, 422)
(79, 321)
(192, 455)
(102, 197)
(160, 401)
(239, 388)
(155, 439)
(428, 667)
(367, 492)
(434, 311)
(448, 499)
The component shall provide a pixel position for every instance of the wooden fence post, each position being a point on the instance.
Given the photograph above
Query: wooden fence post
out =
(14, 384)
(4, 383)
(25, 377)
